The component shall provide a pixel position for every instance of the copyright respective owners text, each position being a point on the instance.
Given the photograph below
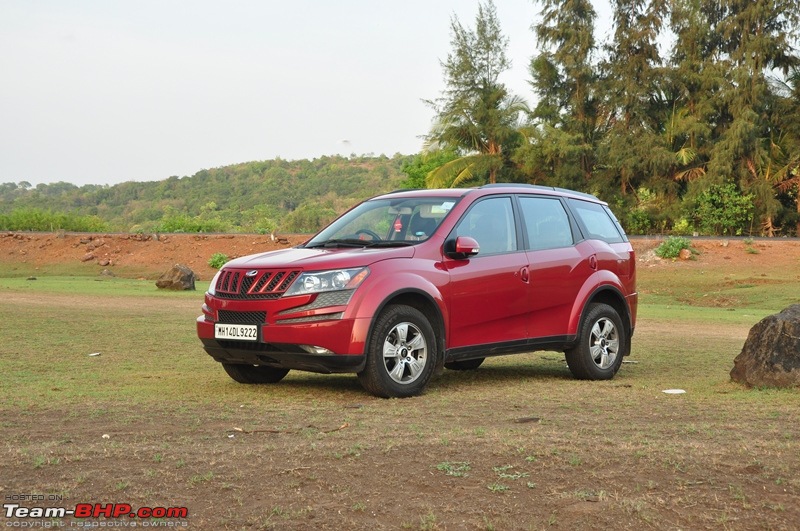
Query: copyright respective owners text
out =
(52, 511)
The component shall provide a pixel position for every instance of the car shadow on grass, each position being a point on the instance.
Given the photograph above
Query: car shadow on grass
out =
(494, 372)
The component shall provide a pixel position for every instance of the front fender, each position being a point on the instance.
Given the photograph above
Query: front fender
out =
(407, 287)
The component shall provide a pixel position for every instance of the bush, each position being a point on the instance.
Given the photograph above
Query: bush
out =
(722, 209)
(46, 220)
(218, 260)
(672, 247)
(682, 227)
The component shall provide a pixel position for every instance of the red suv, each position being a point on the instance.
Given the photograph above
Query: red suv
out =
(412, 281)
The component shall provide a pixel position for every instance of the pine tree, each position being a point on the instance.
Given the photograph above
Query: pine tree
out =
(476, 115)
(634, 150)
(756, 37)
(564, 80)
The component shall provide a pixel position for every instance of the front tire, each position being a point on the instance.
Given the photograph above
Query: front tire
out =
(401, 353)
(254, 374)
(602, 341)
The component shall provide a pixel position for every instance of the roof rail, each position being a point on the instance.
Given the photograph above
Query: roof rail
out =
(542, 187)
(515, 185)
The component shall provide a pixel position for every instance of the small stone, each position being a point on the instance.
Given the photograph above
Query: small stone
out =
(180, 277)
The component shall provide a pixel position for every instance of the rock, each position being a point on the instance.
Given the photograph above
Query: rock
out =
(180, 277)
(107, 273)
(771, 355)
(685, 254)
(87, 257)
(104, 262)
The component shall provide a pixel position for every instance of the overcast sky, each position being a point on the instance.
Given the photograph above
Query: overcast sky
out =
(103, 91)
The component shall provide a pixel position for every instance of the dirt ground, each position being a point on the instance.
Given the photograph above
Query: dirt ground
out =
(149, 255)
(340, 459)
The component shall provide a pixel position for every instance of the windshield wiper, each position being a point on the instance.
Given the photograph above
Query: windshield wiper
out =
(345, 242)
(390, 243)
(354, 242)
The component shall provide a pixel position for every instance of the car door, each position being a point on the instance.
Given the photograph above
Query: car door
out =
(488, 293)
(558, 266)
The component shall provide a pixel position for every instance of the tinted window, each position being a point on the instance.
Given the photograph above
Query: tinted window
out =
(547, 222)
(491, 223)
(596, 221)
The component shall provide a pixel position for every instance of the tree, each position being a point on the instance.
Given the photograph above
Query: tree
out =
(475, 116)
(634, 150)
(757, 39)
(564, 78)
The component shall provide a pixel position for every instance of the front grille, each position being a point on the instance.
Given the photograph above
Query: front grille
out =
(244, 284)
(243, 318)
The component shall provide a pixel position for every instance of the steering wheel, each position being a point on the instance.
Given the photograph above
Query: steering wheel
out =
(368, 233)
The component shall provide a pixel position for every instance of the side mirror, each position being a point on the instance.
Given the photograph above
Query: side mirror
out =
(462, 247)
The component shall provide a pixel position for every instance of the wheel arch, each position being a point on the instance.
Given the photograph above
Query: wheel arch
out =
(610, 295)
(427, 305)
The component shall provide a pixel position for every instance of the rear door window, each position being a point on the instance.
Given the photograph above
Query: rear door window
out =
(596, 221)
(546, 222)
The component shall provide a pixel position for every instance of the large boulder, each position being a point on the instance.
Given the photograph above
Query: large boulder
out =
(771, 355)
(180, 277)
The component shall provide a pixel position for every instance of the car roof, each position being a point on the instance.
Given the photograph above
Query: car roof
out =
(511, 188)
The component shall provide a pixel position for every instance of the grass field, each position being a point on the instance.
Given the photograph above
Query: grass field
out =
(518, 444)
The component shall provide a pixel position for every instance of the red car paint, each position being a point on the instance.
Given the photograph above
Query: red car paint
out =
(526, 287)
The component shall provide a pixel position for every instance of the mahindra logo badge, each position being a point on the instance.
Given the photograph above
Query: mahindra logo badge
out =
(251, 273)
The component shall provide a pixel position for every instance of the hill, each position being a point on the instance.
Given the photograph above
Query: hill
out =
(256, 197)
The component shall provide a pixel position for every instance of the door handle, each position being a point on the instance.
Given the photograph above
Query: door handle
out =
(523, 274)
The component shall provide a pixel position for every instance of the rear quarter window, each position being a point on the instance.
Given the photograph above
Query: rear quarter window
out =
(597, 222)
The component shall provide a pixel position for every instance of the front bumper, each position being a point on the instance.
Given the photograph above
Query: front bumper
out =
(279, 346)
(286, 356)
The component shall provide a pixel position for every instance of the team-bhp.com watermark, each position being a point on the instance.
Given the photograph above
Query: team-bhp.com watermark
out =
(28, 511)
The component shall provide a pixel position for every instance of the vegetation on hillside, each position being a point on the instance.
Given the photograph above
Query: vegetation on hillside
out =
(265, 196)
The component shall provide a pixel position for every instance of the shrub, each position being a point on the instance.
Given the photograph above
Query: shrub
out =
(722, 209)
(218, 260)
(45, 220)
(672, 247)
(682, 227)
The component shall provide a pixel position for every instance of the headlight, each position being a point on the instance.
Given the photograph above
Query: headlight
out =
(321, 281)
(212, 288)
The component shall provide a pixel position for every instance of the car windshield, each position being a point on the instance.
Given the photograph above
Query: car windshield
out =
(386, 223)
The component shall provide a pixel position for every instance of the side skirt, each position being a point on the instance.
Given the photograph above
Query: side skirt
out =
(557, 343)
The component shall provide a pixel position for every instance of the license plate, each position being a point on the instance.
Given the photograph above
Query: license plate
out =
(237, 332)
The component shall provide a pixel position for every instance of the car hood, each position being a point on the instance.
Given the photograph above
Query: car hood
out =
(318, 259)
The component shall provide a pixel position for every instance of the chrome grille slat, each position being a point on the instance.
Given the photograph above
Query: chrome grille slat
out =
(264, 285)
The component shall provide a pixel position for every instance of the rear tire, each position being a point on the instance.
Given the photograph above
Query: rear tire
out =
(254, 374)
(401, 353)
(602, 341)
(465, 365)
